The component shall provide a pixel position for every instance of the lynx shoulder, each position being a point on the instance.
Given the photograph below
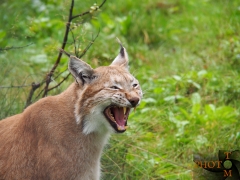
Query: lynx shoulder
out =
(62, 136)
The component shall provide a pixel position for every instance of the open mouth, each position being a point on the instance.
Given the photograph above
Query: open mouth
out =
(117, 117)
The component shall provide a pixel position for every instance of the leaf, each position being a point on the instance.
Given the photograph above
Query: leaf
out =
(226, 113)
(196, 110)
(178, 78)
(145, 110)
(180, 124)
(196, 98)
(209, 109)
(202, 73)
(41, 58)
(173, 98)
(201, 140)
(2, 34)
(149, 100)
(142, 104)
(158, 90)
(194, 84)
(3, 42)
(185, 113)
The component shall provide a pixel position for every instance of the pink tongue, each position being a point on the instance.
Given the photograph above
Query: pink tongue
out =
(119, 115)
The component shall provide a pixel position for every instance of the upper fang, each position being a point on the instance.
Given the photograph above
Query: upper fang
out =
(124, 110)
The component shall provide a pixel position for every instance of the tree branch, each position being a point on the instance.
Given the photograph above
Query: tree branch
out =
(49, 75)
(89, 45)
(9, 87)
(47, 80)
(59, 83)
(33, 89)
(87, 12)
(14, 47)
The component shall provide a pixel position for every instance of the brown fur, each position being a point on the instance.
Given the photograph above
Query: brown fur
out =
(56, 137)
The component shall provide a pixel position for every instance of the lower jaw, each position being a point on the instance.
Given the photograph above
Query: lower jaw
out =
(118, 128)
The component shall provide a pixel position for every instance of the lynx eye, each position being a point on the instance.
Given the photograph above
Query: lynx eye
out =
(135, 85)
(114, 87)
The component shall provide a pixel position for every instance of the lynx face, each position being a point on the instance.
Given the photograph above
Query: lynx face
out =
(124, 93)
(107, 96)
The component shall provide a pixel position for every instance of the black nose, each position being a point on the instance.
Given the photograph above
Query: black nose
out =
(134, 101)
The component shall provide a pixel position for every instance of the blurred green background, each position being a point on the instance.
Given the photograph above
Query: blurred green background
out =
(185, 53)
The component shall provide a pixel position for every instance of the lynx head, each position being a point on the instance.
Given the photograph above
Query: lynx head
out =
(106, 94)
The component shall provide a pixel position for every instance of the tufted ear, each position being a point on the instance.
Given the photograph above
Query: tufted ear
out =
(122, 58)
(81, 71)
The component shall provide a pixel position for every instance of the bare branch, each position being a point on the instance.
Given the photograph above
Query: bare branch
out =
(29, 99)
(14, 47)
(59, 83)
(38, 94)
(89, 45)
(60, 73)
(74, 41)
(87, 12)
(64, 52)
(49, 75)
(9, 87)
(47, 80)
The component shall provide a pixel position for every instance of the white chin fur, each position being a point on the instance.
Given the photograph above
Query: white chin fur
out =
(96, 122)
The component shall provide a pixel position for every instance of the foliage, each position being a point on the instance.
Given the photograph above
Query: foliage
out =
(185, 53)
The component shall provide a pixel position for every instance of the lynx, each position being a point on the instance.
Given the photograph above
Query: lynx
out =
(62, 136)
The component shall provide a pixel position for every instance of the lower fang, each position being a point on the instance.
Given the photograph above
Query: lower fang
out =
(120, 128)
(126, 127)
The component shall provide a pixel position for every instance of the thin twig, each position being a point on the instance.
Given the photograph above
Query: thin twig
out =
(9, 87)
(48, 78)
(17, 86)
(40, 84)
(64, 52)
(89, 45)
(60, 73)
(14, 47)
(59, 83)
(87, 12)
(39, 94)
(29, 99)
(74, 42)
(49, 75)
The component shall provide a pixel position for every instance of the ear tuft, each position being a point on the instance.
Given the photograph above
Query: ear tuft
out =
(81, 71)
(122, 58)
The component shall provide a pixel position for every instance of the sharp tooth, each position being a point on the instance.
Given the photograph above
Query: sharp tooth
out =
(126, 127)
(124, 110)
(112, 117)
(120, 128)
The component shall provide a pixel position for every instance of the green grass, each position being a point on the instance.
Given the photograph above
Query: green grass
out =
(185, 53)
